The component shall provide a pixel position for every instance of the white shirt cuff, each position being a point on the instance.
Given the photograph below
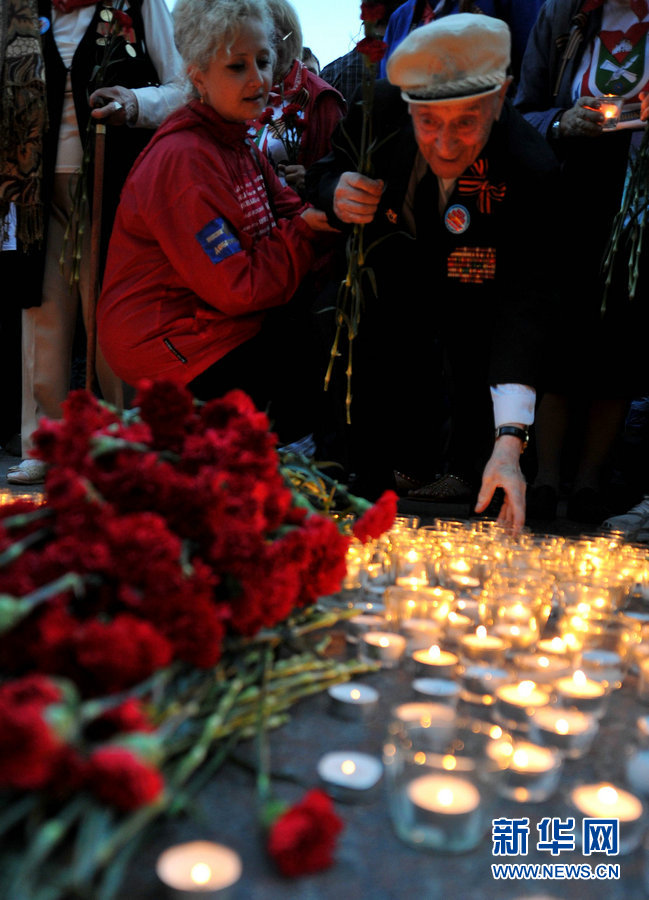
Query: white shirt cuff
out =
(513, 403)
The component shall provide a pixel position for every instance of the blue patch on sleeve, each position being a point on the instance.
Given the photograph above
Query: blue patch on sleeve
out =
(217, 240)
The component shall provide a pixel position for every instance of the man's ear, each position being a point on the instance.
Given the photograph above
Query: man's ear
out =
(502, 93)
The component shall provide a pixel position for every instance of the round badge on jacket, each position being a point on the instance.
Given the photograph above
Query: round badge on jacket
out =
(457, 219)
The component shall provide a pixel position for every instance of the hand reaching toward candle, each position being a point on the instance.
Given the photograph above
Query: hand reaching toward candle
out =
(503, 470)
(583, 120)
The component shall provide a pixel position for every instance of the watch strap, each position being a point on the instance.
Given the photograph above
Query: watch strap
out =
(516, 431)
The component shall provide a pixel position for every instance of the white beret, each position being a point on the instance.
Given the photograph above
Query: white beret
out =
(460, 56)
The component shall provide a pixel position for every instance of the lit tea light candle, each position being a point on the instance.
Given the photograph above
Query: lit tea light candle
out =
(456, 626)
(437, 690)
(541, 668)
(350, 776)
(516, 701)
(461, 582)
(581, 692)
(469, 606)
(562, 647)
(383, 647)
(199, 868)
(531, 772)
(353, 700)
(520, 637)
(443, 795)
(435, 660)
(569, 731)
(488, 648)
(359, 625)
(605, 666)
(420, 633)
(610, 108)
(479, 683)
(604, 801)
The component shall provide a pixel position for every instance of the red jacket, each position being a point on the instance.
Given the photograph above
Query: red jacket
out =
(205, 240)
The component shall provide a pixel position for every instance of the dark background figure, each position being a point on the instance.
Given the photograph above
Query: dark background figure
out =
(346, 72)
(520, 15)
(577, 52)
(140, 87)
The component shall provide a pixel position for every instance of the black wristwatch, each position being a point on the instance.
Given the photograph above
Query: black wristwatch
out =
(555, 128)
(516, 431)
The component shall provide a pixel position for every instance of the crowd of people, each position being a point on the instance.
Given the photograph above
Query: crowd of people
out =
(230, 189)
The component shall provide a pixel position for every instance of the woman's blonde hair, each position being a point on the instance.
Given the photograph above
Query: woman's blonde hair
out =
(202, 27)
(288, 35)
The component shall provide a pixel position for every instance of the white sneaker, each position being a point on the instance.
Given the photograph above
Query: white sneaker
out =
(632, 522)
(30, 471)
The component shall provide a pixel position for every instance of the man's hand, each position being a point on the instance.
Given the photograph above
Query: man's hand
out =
(356, 198)
(114, 105)
(503, 470)
(583, 120)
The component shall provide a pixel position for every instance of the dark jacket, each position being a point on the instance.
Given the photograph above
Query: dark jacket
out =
(122, 144)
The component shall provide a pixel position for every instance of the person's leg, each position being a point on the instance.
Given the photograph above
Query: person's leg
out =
(48, 329)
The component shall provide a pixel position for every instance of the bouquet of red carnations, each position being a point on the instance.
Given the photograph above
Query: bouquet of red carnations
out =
(143, 610)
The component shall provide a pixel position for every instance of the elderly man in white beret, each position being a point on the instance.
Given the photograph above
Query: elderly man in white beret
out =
(459, 218)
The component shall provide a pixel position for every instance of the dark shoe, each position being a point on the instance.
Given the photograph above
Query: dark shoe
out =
(587, 505)
(406, 483)
(541, 502)
(447, 489)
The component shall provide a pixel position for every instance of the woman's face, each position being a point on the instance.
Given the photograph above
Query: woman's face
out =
(237, 81)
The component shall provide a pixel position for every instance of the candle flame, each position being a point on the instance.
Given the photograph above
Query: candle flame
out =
(434, 652)
(520, 758)
(200, 873)
(384, 642)
(562, 726)
(348, 767)
(481, 632)
(579, 678)
(419, 758)
(355, 694)
(607, 794)
(525, 688)
(544, 662)
(449, 762)
(445, 797)
(495, 731)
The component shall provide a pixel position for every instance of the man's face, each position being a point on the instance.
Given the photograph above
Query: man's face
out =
(451, 135)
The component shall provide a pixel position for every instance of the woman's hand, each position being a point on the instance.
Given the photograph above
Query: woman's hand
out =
(294, 176)
(114, 105)
(583, 120)
(356, 198)
(317, 220)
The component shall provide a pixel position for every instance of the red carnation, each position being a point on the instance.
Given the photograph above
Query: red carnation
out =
(377, 519)
(267, 116)
(123, 19)
(117, 777)
(303, 839)
(373, 48)
(32, 689)
(29, 751)
(372, 12)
